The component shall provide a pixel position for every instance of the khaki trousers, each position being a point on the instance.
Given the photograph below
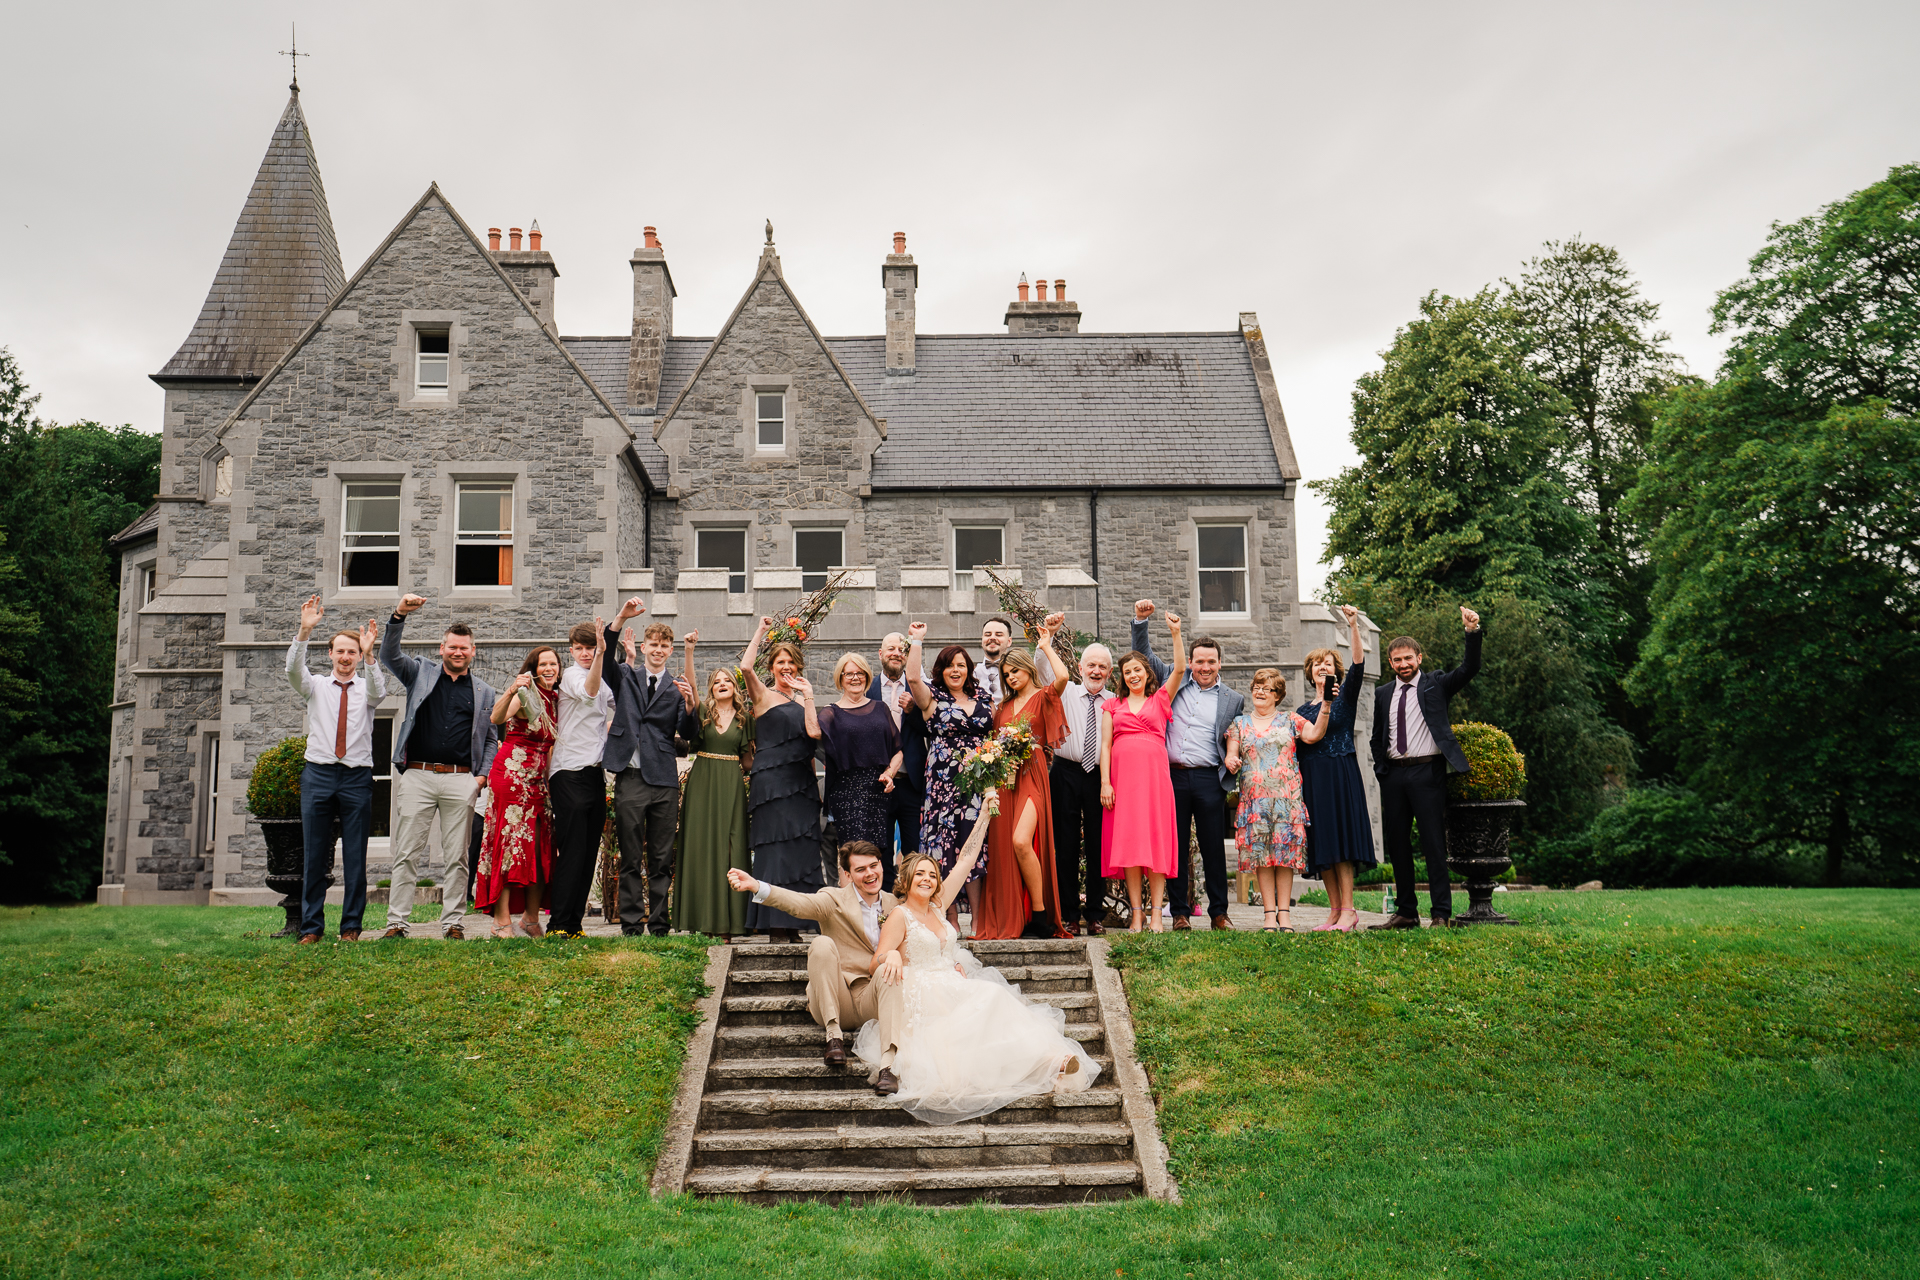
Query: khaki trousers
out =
(427, 798)
(835, 1002)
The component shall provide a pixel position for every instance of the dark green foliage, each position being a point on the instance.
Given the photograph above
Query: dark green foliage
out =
(1662, 837)
(63, 492)
(1495, 771)
(273, 790)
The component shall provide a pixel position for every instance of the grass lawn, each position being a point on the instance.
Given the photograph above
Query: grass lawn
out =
(1679, 1083)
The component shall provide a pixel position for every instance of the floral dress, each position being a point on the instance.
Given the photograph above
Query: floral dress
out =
(1270, 828)
(517, 849)
(947, 816)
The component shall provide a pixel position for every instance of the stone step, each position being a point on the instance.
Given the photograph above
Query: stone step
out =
(832, 1109)
(811, 1073)
(1032, 979)
(749, 957)
(791, 1010)
(1006, 1184)
(957, 1146)
(794, 1040)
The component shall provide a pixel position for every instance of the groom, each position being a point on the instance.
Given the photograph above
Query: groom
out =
(841, 989)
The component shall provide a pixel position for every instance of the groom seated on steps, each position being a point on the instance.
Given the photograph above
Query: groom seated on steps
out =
(841, 993)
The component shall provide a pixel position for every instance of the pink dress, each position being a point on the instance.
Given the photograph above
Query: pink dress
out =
(1138, 831)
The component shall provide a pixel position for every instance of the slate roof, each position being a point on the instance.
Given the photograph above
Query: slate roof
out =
(146, 525)
(280, 269)
(1121, 409)
(1106, 409)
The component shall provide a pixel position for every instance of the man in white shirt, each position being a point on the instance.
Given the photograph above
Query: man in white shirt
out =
(338, 779)
(576, 783)
(1075, 783)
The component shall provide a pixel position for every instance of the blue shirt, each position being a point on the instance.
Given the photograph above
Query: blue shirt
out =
(1191, 739)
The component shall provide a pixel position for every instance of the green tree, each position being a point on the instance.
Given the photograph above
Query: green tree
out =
(63, 492)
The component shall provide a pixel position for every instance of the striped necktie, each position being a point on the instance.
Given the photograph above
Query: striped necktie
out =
(1090, 735)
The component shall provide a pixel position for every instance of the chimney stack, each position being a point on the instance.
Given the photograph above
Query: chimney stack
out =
(653, 295)
(1043, 315)
(532, 270)
(901, 280)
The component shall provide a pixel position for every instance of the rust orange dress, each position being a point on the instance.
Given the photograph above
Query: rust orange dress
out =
(1004, 910)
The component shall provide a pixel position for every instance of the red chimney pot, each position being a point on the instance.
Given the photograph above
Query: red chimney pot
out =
(1060, 290)
(533, 239)
(513, 239)
(899, 242)
(653, 241)
(1040, 290)
(1023, 288)
(493, 239)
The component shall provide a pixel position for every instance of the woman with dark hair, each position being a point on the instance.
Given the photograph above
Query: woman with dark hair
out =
(1135, 785)
(1020, 895)
(713, 808)
(516, 851)
(1340, 831)
(959, 716)
(783, 799)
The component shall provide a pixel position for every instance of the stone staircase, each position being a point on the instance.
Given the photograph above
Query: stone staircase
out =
(759, 1118)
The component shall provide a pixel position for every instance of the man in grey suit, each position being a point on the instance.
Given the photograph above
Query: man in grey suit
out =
(442, 752)
(1196, 752)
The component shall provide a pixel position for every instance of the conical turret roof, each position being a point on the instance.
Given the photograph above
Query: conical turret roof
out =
(280, 269)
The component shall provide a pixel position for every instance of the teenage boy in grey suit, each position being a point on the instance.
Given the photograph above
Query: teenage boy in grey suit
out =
(650, 709)
(1413, 751)
(442, 752)
(1196, 753)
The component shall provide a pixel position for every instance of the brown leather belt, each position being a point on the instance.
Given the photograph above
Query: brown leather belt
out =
(1176, 764)
(430, 767)
(1413, 760)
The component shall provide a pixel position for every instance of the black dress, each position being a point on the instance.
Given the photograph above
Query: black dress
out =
(783, 813)
(860, 743)
(1338, 826)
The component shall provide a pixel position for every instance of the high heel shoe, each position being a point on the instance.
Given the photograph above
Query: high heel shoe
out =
(1266, 922)
(532, 928)
(1325, 926)
(1137, 923)
(1285, 926)
(1348, 927)
(503, 930)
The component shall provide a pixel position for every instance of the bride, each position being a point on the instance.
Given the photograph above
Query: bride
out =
(971, 1043)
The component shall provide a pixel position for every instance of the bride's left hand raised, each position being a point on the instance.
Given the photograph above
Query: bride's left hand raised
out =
(989, 802)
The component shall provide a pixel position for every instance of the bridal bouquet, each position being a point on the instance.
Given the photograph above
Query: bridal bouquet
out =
(996, 762)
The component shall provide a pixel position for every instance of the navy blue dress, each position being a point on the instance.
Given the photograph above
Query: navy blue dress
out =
(1338, 827)
(783, 806)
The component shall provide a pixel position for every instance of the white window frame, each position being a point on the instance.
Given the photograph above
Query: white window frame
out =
(963, 578)
(760, 421)
(496, 538)
(734, 576)
(424, 362)
(149, 584)
(210, 818)
(348, 543)
(838, 561)
(1245, 570)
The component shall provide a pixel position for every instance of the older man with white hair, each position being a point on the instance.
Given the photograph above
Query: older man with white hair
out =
(1075, 782)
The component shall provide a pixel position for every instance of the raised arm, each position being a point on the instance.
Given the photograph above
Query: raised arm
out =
(1455, 680)
(692, 638)
(1178, 671)
(1318, 729)
(390, 656)
(1356, 652)
(747, 657)
(376, 677)
(503, 708)
(595, 671)
(1143, 642)
(297, 676)
(804, 688)
(970, 851)
(1056, 670)
(916, 674)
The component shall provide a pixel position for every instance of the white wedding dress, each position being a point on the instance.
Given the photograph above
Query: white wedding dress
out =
(971, 1042)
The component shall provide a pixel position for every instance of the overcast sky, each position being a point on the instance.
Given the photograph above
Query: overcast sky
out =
(1323, 165)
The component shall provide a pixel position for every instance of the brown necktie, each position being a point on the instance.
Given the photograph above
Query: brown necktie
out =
(340, 725)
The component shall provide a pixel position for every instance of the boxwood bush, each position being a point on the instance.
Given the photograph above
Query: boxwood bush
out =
(1495, 768)
(274, 789)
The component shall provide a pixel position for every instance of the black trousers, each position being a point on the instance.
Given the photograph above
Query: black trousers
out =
(647, 817)
(579, 816)
(1077, 817)
(1408, 792)
(1199, 803)
(905, 813)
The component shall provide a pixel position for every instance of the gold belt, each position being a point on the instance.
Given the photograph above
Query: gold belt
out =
(714, 755)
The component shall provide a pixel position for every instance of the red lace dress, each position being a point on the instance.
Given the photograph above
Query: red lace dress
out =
(517, 849)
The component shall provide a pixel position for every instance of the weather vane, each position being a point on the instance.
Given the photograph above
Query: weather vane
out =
(294, 55)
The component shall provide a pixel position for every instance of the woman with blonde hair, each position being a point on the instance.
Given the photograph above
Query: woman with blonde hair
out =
(1340, 837)
(713, 808)
(863, 758)
(1270, 827)
(783, 800)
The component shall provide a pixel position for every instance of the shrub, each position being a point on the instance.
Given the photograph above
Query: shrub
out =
(1661, 837)
(274, 789)
(1495, 769)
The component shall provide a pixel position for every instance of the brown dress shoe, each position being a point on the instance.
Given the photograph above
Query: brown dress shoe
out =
(309, 937)
(1095, 928)
(1183, 922)
(395, 932)
(349, 935)
(454, 933)
(1398, 921)
(836, 1055)
(1221, 922)
(886, 1082)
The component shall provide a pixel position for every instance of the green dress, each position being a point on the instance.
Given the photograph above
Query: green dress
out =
(713, 834)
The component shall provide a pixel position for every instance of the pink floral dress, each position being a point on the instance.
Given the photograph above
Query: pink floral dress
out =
(517, 849)
(1270, 829)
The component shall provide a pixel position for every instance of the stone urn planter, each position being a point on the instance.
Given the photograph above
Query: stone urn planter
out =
(1482, 806)
(273, 798)
(286, 866)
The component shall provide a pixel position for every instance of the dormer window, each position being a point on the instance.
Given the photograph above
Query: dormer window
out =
(772, 421)
(430, 364)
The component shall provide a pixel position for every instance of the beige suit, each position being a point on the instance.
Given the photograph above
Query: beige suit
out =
(841, 991)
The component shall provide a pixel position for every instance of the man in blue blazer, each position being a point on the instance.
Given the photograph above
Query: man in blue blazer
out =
(649, 711)
(1413, 751)
(441, 752)
(1196, 754)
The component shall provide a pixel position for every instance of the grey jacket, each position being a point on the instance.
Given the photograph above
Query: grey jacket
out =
(420, 676)
(1231, 703)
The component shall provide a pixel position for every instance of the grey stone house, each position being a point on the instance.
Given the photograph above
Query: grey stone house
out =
(423, 426)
